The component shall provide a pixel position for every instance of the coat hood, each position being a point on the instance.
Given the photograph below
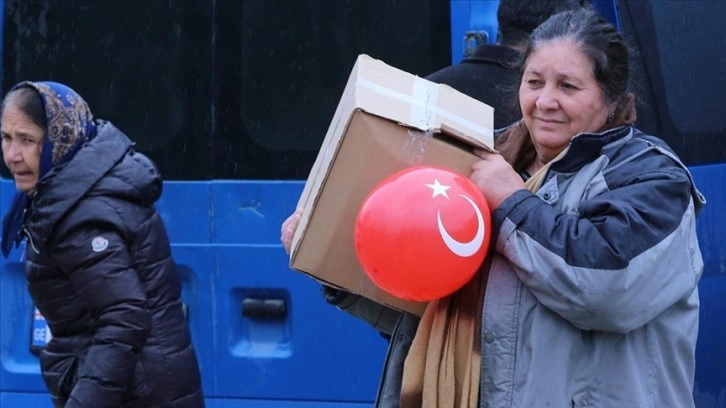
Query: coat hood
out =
(106, 166)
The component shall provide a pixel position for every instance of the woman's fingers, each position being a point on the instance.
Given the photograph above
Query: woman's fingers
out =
(287, 232)
(495, 178)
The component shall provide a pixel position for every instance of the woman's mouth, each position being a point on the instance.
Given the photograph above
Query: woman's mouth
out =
(22, 175)
(549, 121)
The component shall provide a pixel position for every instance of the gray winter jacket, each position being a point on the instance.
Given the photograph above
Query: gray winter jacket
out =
(592, 297)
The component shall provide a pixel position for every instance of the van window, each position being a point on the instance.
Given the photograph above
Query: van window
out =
(680, 77)
(219, 90)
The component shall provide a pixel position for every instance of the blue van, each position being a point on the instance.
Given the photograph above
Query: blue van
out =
(232, 99)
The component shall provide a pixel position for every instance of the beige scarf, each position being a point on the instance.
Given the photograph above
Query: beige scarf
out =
(443, 365)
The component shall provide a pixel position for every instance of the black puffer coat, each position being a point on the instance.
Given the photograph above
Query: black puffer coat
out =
(100, 270)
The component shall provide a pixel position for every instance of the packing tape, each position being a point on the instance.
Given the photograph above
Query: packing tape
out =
(416, 146)
(424, 107)
(423, 104)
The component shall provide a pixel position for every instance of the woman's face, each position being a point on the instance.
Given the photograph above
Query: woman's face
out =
(560, 97)
(21, 144)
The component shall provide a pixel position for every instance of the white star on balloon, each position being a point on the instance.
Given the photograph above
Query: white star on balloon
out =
(439, 189)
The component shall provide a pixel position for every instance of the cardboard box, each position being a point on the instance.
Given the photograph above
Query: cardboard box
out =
(386, 120)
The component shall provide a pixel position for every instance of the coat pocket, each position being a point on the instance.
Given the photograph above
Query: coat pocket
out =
(140, 392)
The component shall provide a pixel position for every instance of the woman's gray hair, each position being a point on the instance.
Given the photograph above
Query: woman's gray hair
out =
(598, 39)
(28, 101)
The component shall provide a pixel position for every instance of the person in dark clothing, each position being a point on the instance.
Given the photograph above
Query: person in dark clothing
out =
(99, 265)
(489, 74)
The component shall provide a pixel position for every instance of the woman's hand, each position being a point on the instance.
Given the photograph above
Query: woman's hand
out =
(288, 229)
(496, 179)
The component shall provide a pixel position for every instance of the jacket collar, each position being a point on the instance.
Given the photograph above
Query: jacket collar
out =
(494, 54)
(515, 145)
(585, 147)
(65, 185)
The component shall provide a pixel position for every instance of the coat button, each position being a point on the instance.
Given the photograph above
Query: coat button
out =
(489, 338)
(546, 196)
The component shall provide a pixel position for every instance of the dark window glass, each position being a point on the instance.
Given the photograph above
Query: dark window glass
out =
(219, 89)
(145, 66)
(679, 74)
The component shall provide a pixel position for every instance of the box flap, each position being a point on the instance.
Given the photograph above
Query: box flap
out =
(412, 101)
(391, 93)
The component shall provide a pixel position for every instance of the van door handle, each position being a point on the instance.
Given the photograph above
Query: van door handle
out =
(269, 309)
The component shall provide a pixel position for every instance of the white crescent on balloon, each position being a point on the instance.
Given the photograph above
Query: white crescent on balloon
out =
(464, 249)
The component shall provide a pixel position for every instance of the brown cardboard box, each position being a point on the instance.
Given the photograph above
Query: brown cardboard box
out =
(387, 120)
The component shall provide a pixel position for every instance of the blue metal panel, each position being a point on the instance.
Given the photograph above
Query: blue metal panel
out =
(710, 387)
(222, 403)
(484, 18)
(471, 15)
(16, 400)
(459, 27)
(19, 399)
(185, 208)
(710, 180)
(251, 212)
(609, 10)
(19, 370)
(314, 353)
(225, 239)
(196, 269)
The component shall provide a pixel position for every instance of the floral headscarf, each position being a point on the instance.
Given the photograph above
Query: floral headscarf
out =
(69, 126)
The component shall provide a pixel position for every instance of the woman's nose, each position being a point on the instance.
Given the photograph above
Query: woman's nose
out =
(546, 100)
(11, 152)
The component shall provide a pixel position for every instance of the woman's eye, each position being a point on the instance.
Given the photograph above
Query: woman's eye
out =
(568, 86)
(27, 141)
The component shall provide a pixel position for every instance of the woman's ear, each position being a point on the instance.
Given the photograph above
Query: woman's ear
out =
(612, 108)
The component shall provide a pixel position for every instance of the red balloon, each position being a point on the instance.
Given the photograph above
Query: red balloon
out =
(422, 233)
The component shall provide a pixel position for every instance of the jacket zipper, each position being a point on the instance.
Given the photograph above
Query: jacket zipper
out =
(542, 180)
(30, 240)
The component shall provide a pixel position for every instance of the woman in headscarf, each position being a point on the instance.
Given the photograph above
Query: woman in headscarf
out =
(99, 265)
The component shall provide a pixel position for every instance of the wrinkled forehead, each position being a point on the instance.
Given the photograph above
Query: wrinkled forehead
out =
(564, 41)
(15, 121)
(14, 99)
(565, 52)
(14, 118)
